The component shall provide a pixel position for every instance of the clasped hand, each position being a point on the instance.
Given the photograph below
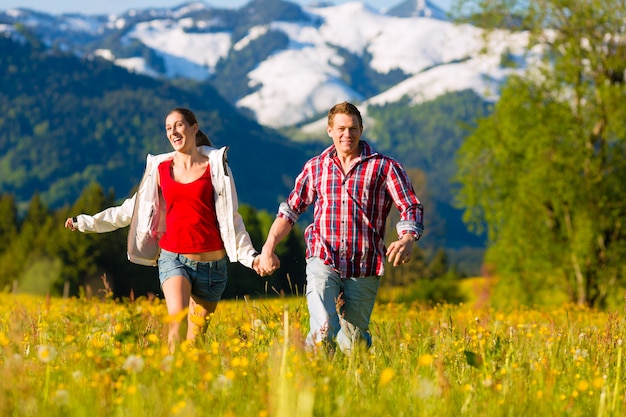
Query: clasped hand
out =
(266, 264)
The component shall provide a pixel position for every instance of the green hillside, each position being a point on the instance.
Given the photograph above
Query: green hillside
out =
(66, 122)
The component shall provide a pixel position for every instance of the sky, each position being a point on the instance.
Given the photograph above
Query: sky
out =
(120, 6)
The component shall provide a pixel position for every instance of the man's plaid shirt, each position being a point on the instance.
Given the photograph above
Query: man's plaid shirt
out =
(351, 210)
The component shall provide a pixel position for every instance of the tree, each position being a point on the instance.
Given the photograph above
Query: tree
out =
(543, 173)
(288, 280)
(25, 254)
(8, 220)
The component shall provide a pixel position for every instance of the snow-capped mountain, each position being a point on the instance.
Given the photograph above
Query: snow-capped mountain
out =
(285, 64)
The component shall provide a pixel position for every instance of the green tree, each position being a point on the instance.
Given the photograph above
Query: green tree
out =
(288, 280)
(26, 255)
(79, 251)
(543, 173)
(8, 221)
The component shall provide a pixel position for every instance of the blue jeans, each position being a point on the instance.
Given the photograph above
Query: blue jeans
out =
(339, 309)
(208, 279)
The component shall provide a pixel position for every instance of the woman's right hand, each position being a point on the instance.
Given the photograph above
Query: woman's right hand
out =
(267, 264)
(69, 224)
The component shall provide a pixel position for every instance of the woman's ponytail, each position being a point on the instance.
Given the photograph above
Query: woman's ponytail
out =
(202, 139)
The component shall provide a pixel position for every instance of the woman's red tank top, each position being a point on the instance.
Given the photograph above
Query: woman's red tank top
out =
(191, 222)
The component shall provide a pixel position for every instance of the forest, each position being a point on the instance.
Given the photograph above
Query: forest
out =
(39, 256)
(75, 134)
(526, 190)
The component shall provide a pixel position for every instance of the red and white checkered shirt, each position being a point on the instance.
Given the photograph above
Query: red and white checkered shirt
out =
(351, 210)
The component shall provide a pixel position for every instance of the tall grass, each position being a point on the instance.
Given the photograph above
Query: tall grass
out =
(91, 357)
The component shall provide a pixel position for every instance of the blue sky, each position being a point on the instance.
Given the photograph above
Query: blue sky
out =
(119, 6)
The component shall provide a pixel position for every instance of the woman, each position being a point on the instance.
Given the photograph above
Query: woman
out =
(184, 218)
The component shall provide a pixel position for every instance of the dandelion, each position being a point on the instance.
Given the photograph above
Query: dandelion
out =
(425, 360)
(581, 354)
(61, 397)
(427, 388)
(598, 382)
(197, 320)
(166, 363)
(133, 363)
(222, 382)
(386, 376)
(4, 340)
(46, 353)
(14, 361)
(240, 362)
(258, 324)
(176, 318)
(583, 386)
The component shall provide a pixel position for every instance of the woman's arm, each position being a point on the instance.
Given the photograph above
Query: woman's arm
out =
(107, 220)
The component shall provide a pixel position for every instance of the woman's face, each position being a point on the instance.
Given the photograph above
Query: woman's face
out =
(181, 134)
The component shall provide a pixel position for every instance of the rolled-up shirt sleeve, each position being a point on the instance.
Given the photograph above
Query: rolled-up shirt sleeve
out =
(404, 197)
(300, 198)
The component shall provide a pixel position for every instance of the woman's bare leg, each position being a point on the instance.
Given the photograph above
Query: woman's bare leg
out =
(198, 311)
(177, 291)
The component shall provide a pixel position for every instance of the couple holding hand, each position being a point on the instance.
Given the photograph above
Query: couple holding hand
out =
(184, 218)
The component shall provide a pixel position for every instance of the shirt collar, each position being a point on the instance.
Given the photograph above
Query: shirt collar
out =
(366, 151)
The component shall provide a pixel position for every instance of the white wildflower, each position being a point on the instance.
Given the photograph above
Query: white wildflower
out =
(46, 353)
(134, 363)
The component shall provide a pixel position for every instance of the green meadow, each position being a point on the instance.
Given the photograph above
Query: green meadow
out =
(103, 357)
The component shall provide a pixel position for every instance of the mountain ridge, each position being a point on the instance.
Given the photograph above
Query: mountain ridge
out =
(417, 110)
(284, 65)
(69, 121)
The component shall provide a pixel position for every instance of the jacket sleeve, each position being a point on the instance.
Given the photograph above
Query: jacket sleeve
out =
(110, 219)
(245, 250)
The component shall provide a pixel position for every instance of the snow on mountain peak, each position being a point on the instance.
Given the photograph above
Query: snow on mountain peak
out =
(298, 79)
(303, 81)
(186, 53)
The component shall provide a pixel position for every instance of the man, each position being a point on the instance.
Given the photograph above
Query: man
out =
(353, 188)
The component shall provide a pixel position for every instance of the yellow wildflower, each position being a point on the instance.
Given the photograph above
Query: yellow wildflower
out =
(425, 360)
(386, 376)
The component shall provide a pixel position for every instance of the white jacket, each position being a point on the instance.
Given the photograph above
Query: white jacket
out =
(145, 213)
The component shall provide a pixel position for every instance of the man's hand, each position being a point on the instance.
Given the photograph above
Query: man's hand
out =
(266, 264)
(400, 251)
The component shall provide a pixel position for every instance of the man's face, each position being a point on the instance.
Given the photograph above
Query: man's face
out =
(346, 133)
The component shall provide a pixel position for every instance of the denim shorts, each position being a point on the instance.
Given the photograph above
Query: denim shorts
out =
(207, 279)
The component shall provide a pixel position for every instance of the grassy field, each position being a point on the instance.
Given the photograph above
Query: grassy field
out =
(100, 357)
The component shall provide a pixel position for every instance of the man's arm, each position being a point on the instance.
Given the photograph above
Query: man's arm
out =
(267, 259)
(410, 227)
